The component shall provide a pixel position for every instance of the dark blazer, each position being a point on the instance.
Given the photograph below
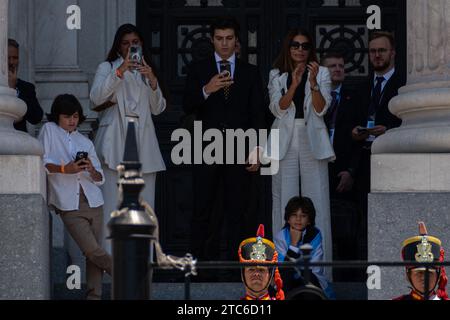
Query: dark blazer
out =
(349, 115)
(384, 116)
(244, 108)
(229, 185)
(27, 92)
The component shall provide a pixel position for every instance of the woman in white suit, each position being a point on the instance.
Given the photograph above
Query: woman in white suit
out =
(299, 92)
(124, 91)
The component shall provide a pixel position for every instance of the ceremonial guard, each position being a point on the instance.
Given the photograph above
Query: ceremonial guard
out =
(258, 279)
(427, 249)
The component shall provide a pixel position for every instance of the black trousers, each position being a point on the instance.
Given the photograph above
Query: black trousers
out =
(363, 190)
(345, 222)
(221, 217)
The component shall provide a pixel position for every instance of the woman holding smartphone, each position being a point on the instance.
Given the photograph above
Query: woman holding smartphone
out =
(299, 92)
(125, 90)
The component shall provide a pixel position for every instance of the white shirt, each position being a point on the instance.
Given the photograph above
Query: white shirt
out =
(133, 83)
(110, 137)
(61, 147)
(231, 60)
(387, 76)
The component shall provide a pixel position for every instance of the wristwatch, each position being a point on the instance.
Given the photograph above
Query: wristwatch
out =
(315, 88)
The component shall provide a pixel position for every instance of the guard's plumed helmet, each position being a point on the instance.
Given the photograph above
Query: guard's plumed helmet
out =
(260, 249)
(427, 249)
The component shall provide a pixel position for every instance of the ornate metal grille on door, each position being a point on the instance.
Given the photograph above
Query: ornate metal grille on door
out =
(178, 33)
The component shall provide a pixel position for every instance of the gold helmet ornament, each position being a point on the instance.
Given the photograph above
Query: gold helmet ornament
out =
(426, 249)
(260, 249)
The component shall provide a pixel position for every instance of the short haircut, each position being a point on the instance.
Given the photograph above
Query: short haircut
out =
(383, 34)
(303, 203)
(13, 43)
(332, 55)
(66, 104)
(226, 22)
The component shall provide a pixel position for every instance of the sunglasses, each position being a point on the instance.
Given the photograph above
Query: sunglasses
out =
(305, 46)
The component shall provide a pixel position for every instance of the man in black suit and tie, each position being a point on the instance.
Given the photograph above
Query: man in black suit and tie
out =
(343, 115)
(378, 119)
(25, 90)
(223, 93)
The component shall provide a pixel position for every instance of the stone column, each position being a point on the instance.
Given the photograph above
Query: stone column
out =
(24, 221)
(57, 56)
(411, 164)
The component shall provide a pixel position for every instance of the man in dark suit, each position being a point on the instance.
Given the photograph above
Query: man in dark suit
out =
(378, 119)
(231, 99)
(344, 114)
(25, 90)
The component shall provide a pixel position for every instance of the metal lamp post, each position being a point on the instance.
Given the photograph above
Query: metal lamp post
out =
(132, 230)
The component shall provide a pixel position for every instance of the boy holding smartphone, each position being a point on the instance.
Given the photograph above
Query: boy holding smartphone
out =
(74, 176)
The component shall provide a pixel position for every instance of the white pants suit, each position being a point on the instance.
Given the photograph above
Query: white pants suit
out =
(300, 164)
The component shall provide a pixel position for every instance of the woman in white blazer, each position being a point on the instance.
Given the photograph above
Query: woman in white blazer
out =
(124, 91)
(299, 92)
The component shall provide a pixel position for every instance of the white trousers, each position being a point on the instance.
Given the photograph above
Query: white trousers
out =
(300, 166)
(111, 197)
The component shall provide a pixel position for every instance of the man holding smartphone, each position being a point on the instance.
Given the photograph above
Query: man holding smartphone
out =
(223, 93)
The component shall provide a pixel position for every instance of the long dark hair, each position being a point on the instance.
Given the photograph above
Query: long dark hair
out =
(284, 61)
(114, 53)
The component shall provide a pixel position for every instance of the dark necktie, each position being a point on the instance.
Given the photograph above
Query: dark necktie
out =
(331, 116)
(225, 65)
(376, 96)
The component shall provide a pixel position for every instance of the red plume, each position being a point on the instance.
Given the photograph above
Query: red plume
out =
(279, 284)
(278, 280)
(442, 292)
(260, 232)
(422, 229)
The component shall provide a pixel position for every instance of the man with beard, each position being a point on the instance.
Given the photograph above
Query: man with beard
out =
(25, 90)
(257, 279)
(378, 119)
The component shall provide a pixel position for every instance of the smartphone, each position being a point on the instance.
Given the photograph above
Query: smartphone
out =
(81, 155)
(225, 70)
(225, 74)
(136, 54)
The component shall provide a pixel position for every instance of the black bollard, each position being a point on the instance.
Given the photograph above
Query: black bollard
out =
(132, 230)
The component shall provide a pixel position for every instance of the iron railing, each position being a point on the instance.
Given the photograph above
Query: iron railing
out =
(304, 264)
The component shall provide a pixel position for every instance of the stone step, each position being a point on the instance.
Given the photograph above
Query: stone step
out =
(205, 291)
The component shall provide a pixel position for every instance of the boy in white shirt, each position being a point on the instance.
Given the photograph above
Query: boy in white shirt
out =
(73, 186)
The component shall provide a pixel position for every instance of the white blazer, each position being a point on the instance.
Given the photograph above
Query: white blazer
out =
(318, 135)
(111, 134)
